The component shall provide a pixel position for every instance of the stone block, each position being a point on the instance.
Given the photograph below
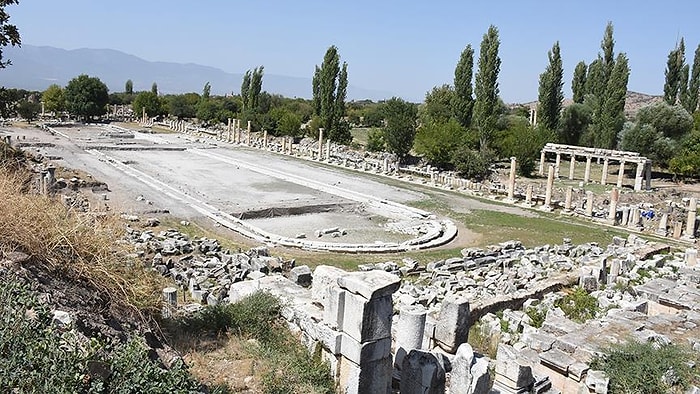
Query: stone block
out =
(461, 378)
(409, 331)
(367, 320)
(334, 306)
(597, 381)
(323, 277)
(360, 353)
(422, 373)
(537, 341)
(370, 377)
(370, 284)
(301, 275)
(511, 371)
(452, 327)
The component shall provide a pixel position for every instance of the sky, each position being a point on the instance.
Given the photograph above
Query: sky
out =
(403, 47)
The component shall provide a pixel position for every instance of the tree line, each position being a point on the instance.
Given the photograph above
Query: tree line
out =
(463, 125)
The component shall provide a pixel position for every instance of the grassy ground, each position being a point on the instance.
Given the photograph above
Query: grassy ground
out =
(359, 135)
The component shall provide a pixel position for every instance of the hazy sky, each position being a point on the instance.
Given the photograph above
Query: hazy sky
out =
(404, 47)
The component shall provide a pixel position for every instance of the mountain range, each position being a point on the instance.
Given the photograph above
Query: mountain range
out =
(37, 67)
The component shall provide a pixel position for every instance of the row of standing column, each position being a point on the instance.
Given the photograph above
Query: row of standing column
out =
(643, 171)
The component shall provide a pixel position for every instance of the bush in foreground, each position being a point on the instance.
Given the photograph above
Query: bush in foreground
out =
(646, 368)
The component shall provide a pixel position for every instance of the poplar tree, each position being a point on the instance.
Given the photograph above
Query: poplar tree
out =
(129, 87)
(551, 95)
(463, 100)
(154, 88)
(245, 89)
(329, 87)
(486, 88)
(578, 83)
(674, 69)
(690, 103)
(612, 116)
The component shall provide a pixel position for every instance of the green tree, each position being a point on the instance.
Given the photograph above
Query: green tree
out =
(28, 110)
(687, 161)
(148, 101)
(9, 35)
(486, 88)
(671, 121)
(154, 88)
(54, 99)
(551, 95)
(256, 81)
(578, 83)
(595, 85)
(647, 141)
(206, 91)
(129, 87)
(86, 97)
(612, 115)
(608, 47)
(329, 88)
(674, 67)
(400, 129)
(436, 142)
(245, 90)
(183, 106)
(690, 101)
(375, 140)
(289, 124)
(437, 106)
(463, 102)
(574, 121)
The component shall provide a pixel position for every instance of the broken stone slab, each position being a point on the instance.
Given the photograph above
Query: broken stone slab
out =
(370, 284)
(323, 277)
(597, 381)
(453, 324)
(422, 373)
(538, 341)
(557, 360)
(61, 319)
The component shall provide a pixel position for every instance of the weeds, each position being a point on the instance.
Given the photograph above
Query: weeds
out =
(646, 368)
(536, 315)
(578, 305)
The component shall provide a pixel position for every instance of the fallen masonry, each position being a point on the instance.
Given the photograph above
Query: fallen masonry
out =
(404, 327)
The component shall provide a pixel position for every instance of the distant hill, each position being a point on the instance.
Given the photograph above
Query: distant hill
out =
(37, 67)
(633, 102)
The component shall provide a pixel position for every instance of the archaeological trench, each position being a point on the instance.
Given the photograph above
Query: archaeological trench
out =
(398, 326)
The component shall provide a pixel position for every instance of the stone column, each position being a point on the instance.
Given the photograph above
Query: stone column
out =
(51, 177)
(625, 216)
(604, 175)
(589, 203)
(43, 109)
(249, 133)
(633, 223)
(572, 165)
(409, 332)
(692, 214)
(452, 327)
(548, 194)
(528, 195)
(511, 180)
(143, 115)
(647, 175)
(621, 174)
(238, 131)
(569, 197)
(677, 229)
(587, 172)
(557, 164)
(663, 224)
(289, 145)
(264, 139)
(320, 144)
(638, 177)
(541, 172)
(328, 150)
(691, 257)
(612, 213)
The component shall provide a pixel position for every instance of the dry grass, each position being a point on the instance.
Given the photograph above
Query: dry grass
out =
(74, 245)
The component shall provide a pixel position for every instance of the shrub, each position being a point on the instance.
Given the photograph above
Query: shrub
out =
(646, 368)
(375, 140)
(578, 305)
(472, 164)
(536, 316)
